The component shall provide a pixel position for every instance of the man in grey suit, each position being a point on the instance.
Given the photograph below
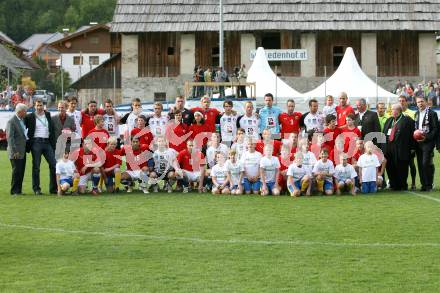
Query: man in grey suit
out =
(16, 134)
(64, 126)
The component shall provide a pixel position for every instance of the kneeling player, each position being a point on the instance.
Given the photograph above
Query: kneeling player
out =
(112, 165)
(136, 156)
(191, 167)
(234, 169)
(88, 165)
(165, 164)
(269, 172)
(220, 176)
(66, 174)
(298, 178)
(345, 176)
(323, 171)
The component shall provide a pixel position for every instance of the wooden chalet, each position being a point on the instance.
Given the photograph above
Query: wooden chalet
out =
(167, 38)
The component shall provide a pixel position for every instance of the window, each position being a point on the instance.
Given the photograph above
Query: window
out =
(78, 60)
(160, 97)
(170, 51)
(215, 53)
(338, 54)
(94, 60)
(94, 40)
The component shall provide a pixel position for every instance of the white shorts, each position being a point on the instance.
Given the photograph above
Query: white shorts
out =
(83, 179)
(134, 174)
(192, 176)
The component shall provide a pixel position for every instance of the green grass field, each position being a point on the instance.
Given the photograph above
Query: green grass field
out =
(389, 242)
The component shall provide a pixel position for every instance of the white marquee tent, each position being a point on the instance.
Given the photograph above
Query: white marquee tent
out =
(350, 78)
(267, 82)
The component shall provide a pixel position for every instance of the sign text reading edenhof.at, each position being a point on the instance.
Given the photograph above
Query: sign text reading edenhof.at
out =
(283, 55)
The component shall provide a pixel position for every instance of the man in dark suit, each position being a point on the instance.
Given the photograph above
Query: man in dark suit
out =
(427, 121)
(366, 120)
(41, 142)
(64, 126)
(16, 134)
(398, 130)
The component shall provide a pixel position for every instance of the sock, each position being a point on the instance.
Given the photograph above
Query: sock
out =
(101, 182)
(144, 178)
(95, 180)
(304, 186)
(320, 185)
(75, 184)
(117, 178)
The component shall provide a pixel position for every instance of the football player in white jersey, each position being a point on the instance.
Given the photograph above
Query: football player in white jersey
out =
(250, 122)
(214, 147)
(220, 175)
(111, 119)
(228, 123)
(234, 168)
(165, 164)
(130, 118)
(240, 144)
(157, 122)
(75, 114)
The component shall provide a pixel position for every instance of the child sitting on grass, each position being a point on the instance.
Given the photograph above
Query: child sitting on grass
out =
(298, 178)
(345, 176)
(66, 174)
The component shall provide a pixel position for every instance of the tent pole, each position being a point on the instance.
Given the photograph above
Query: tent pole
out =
(377, 85)
(276, 85)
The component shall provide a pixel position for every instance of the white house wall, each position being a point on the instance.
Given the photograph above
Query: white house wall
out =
(77, 71)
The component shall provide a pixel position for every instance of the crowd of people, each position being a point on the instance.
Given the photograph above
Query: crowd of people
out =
(219, 74)
(341, 148)
(430, 90)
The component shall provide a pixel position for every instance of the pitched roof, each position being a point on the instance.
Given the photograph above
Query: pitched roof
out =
(82, 30)
(250, 15)
(6, 38)
(36, 40)
(8, 59)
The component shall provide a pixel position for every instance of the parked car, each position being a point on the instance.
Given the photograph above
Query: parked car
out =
(44, 95)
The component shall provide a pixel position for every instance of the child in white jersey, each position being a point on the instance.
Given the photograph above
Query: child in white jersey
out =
(250, 164)
(234, 169)
(165, 164)
(298, 178)
(345, 176)
(66, 173)
(323, 171)
(240, 144)
(269, 172)
(220, 176)
(368, 164)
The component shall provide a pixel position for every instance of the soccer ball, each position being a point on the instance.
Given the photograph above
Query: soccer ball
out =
(418, 134)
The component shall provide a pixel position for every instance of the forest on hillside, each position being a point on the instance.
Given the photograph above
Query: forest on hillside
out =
(19, 19)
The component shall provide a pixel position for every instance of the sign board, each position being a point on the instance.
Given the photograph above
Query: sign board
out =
(283, 55)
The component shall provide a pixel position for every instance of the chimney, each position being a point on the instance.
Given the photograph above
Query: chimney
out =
(66, 32)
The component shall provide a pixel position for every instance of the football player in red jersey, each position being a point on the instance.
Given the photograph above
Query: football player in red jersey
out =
(177, 132)
(267, 139)
(142, 131)
(112, 165)
(88, 162)
(99, 134)
(137, 157)
(289, 121)
(343, 110)
(211, 115)
(88, 117)
(191, 167)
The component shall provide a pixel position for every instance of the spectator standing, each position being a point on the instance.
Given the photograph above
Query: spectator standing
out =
(242, 77)
(426, 120)
(208, 78)
(221, 76)
(16, 134)
(41, 142)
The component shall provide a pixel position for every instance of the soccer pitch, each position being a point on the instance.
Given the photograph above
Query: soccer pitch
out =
(389, 242)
